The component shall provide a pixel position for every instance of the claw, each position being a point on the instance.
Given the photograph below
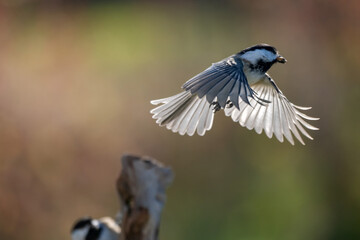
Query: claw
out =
(229, 104)
(216, 106)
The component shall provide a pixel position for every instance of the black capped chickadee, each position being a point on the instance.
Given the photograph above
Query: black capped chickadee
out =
(95, 229)
(240, 85)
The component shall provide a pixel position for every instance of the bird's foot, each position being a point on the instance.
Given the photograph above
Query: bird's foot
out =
(216, 106)
(229, 104)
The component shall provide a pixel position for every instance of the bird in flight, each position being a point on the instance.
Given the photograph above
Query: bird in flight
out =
(241, 86)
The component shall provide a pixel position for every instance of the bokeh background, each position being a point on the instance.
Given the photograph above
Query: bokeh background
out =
(76, 78)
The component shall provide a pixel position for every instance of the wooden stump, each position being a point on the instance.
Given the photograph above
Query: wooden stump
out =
(141, 186)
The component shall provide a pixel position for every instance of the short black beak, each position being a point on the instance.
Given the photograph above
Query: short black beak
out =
(281, 59)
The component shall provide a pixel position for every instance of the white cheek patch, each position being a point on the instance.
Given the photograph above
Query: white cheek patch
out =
(254, 56)
(95, 223)
(80, 234)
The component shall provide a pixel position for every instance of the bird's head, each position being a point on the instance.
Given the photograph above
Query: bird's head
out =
(261, 56)
(86, 228)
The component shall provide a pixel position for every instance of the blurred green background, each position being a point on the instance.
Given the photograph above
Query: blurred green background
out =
(76, 78)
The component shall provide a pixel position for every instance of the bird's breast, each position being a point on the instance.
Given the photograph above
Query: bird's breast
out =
(253, 76)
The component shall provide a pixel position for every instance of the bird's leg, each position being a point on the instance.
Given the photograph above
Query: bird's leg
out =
(229, 104)
(216, 106)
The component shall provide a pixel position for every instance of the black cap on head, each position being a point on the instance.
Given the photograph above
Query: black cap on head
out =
(259, 46)
(94, 227)
(82, 222)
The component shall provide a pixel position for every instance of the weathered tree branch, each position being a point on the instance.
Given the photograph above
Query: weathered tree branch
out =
(141, 186)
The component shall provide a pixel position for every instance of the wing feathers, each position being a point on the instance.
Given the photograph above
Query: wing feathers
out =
(222, 80)
(184, 113)
(285, 122)
(202, 89)
(223, 95)
(277, 120)
(258, 125)
(196, 117)
(234, 94)
(276, 115)
(250, 121)
(213, 91)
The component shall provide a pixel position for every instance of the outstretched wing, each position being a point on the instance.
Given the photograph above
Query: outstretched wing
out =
(184, 113)
(279, 117)
(223, 80)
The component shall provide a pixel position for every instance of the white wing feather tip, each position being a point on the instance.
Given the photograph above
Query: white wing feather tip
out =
(301, 108)
(155, 102)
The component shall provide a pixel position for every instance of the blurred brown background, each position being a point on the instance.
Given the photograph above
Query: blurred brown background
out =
(76, 78)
